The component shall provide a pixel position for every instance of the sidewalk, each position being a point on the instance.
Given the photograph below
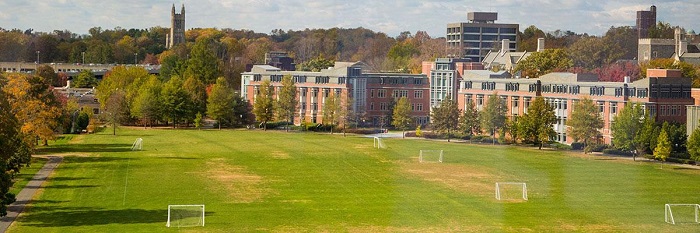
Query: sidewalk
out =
(25, 196)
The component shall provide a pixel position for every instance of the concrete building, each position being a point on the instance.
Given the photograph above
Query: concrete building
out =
(645, 20)
(678, 48)
(476, 38)
(444, 75)
(371, 94)
(177, 28)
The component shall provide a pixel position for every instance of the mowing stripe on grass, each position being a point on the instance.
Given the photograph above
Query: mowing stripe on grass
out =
(126, 180)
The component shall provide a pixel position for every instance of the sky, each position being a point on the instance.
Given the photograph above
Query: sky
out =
(594, 17)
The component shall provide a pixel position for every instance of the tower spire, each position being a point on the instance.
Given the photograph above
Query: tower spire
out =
(173, 10)
(183, 9)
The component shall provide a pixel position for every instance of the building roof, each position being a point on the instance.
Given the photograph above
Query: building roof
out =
(508, 59)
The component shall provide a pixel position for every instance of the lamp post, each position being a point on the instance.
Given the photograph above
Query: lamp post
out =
(135, 58)
(37, 57)
(83, 53)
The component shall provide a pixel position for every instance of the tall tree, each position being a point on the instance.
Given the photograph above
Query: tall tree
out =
(536, 125)
(626, 125)
(287, 101)
(85, 79)
(469, 121)
(493, 115)
(202, 62)
(220, 102)
(694, 145)
(263, 106)
(197, 93)
(402, 116)
(115, 109)
(644, 136)
(147, 104)
(14, 152)
(663, 149)
(541, 63)
(584, 122)
(331, 110)
(35, 106)
(176, 102)
(445, 117)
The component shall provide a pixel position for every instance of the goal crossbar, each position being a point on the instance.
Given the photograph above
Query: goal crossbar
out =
(171, 217)
(425, 153)
(500, 184)
(668, 212)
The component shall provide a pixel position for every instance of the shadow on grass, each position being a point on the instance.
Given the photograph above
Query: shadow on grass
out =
(69, 178)
(63, 186)
(84, 148)
(684, 168)
(96, 159)
(52, 217)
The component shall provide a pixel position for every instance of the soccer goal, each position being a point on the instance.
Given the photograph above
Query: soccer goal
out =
(138, 144)
(682, 213)
(511, 191)
(185, 216)
(379, 143)
(430, 156)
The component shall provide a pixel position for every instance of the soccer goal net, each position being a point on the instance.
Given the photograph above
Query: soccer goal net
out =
(511, 191)
(682, 213)
(185, 216)
(138, 144)
(430, 156)
(379, 143)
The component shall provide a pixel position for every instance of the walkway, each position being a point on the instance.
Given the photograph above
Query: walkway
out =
(25, 196)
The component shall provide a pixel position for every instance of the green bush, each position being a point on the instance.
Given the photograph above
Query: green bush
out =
(613, 151)
(577, 146)
(596, 147)
(363, 131)
(559, 146)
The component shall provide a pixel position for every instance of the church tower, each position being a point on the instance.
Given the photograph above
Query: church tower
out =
(177, 28)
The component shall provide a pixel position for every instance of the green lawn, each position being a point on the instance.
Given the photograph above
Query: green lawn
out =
(292, 182)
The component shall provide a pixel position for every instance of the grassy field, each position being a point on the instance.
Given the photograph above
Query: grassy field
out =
(292, 182)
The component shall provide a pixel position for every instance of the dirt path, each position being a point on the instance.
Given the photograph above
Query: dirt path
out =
(25, 196)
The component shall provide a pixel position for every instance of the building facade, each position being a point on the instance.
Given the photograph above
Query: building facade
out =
(476, 38)
(370, 96)
(177, 28)
(664, 94)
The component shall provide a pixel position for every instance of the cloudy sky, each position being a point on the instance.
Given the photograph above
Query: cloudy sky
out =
(391, 17)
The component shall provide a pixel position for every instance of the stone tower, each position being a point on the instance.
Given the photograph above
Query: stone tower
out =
(177, 28)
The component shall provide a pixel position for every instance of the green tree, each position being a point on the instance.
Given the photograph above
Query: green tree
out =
(84, 79)
(287, 101)
(694, 145)
(331, 110)
(202, 62)
(220, 102)
(585, 122)
(445, 117)
(14, 152)
(199, 121)
(47, 72)
(626, 125)
(115, 109)
(644, 136)
(263, 106)
(147, 104)
(469, 121)
(176, 102)
(536, 125)
(316, 64)
(493, 115)
(663, 149)
(687, 70)
(197, 93)
(83, 121)
(402, 116)
(242, 111)
(541, 63)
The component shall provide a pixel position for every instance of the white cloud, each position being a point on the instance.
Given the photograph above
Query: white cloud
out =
(391, 17)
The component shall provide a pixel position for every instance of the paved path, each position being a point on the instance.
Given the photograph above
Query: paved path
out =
(25, 196)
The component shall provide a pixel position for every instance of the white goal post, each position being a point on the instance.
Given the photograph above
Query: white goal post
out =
(185, 216)
(684, 213)
(500, 194)
(137, 145)
(379, 143)
(430, 156)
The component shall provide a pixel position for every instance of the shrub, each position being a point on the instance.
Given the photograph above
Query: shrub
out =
(559, 146)
(681, 161)
(363, 131)
(577, 146)
(596, 147)
(613, 151)
(418, 132)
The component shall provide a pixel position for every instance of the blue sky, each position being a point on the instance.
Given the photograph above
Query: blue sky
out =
(391, 17)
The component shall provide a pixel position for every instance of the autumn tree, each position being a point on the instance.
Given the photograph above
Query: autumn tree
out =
(536, 125)
(585, 122)
(469, 121)
(663, 149)
(331, 110)
(286, 105)
(402, 116)
(687, 69)
(202, 62)
(115, 109)
(541, 63)
(175, 101)
(626, 125)
(197, 93)
(14, 151)
(493, 115)
(35, 106)
(445, 117)
(220, 102)
(263, 106)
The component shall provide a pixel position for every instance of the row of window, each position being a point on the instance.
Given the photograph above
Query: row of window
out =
(384, 106)
(671, 110)
(381, 93)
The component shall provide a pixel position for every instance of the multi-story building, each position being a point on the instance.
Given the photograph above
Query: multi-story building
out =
(664, 94)
(645, 20)
(444, 76)
(476, 38)
(177, 28)
(370, 95)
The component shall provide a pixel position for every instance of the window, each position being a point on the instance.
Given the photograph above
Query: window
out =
(371, 106)
(299, 79)
(314, 106)
(419, 107)
(479, 100)
(257, 78)
(417, 81)
(276, 78)
(314, 92)
(383, 106)
(325, 92)
(488, 85)
(512, 87)
(532, 88)
(613, 108)
(371, 93)
(400, 93)
(418, 94)
(381, 93)
(472, 29)
(601, 106)
(468, 85)
(323, 79)
(341, 80)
